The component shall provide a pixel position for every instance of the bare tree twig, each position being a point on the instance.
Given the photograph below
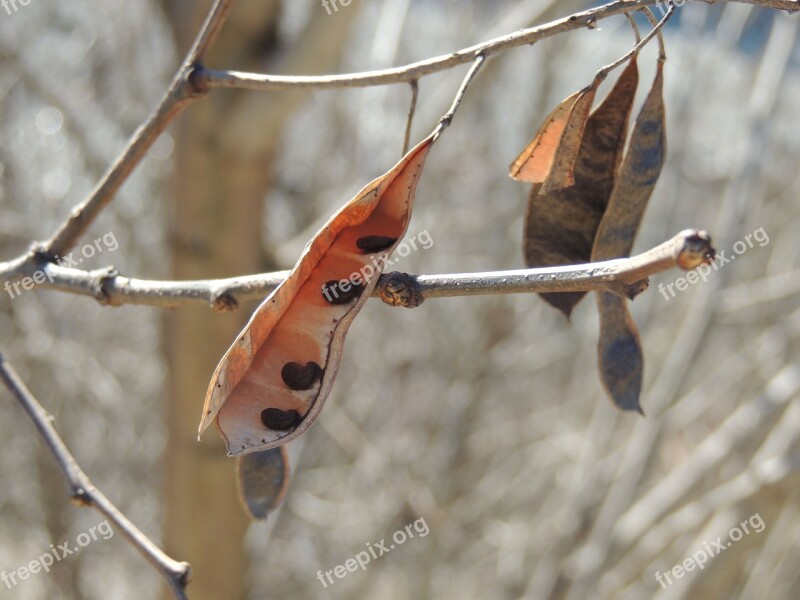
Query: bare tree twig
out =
(662, 52)
(208, 32)
(182, 91)
(445, 121)
(414, 84)
(623, 276)
(192, 81)
(414, 71)
(686, 250)
(656, 30)
(84, 493)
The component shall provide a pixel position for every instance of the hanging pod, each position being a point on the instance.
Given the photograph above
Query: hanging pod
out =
(272, 382)
(561, 219)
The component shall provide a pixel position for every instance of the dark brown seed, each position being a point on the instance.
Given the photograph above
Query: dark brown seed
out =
(375, 243)
(280, 420)
(301, 377)
(333, 292)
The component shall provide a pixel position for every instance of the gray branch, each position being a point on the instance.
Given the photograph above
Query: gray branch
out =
(624, 276)
(83, 492)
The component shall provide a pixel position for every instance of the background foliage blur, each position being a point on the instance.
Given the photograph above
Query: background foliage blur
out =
(485, 416)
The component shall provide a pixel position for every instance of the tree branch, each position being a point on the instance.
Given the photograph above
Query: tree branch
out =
(193, 81)
(624, 276)
(235, 79)
(181, 93)
(84, 493)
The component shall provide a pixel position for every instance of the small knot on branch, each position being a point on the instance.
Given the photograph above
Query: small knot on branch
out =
(38, 251)
(697, 250)
(223, 301)
(400, 289)
(100, 286)
(196, 86)
(80, 496)
(184, 573)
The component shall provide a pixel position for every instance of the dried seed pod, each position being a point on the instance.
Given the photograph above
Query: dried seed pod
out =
(637, 177)
(619, 349)
(263, 480)
(619, 352)
(273, 381)
(556, 144)
(560, 225)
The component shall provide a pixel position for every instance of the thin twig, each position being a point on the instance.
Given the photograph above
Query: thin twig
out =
(414, 84)
(412, 71)
(181, 93)
(209, 31)
(445, 121)
(636, 33)
(662, 52)
(686, 250)
(84, 493)
(656, 30)
(192, 82)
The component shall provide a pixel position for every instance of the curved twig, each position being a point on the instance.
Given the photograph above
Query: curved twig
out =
(84, 493)
(580, 20)
(181, 92)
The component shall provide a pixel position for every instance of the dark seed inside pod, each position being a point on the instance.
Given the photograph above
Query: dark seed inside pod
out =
(299, 376)
(280, 420)
(375, 243)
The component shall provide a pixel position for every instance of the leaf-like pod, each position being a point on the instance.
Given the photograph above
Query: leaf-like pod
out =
(560, 224)
(619, 349)
(550, 158)
(263, 480)
(272, 382)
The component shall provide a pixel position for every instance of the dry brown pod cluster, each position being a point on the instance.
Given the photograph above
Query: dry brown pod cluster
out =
(590, 190)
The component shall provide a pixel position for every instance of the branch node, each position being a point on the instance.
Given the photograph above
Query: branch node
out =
(628, 290)
(195, 84)
(697, 250)
(38, 252)
(101, 293)
(184, 574)
(400, 289)
(80, 496)
(223, 301)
